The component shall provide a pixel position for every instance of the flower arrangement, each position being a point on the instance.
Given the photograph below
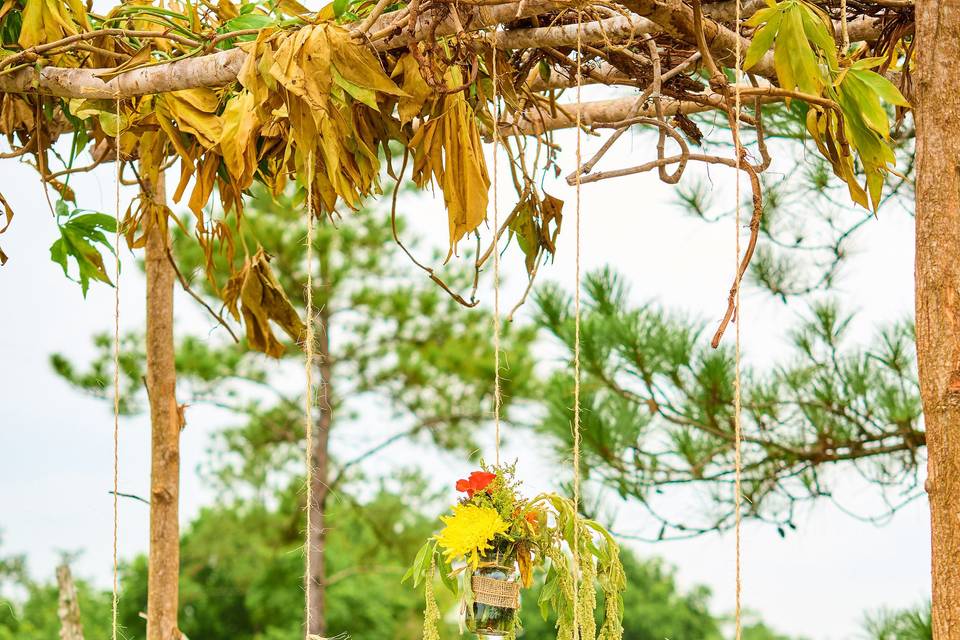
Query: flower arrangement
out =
(493, 542)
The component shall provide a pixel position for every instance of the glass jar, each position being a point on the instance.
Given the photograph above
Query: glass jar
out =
(496, 595)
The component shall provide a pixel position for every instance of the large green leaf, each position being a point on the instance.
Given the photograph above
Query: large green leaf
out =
(80, 233)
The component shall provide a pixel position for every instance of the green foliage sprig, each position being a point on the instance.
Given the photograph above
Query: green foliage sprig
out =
(80, 233)
(851, 125)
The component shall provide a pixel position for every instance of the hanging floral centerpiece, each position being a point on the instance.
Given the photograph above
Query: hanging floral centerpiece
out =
(493, 542)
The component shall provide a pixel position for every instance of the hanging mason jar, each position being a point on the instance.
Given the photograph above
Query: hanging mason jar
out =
(496, 595)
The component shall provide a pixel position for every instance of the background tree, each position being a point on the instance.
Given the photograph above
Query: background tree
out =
(661, 399)
(387, 338)
(904, 624)
(28, 608)
(240, 558)
(937, 280)
(658, 410)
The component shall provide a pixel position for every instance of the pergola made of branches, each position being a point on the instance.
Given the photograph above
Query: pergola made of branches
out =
(239, 93)
(342, 99)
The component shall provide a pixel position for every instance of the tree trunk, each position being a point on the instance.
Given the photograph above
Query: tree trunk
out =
(68, 606)
(321, 441)
(165, 422)
(937, 115)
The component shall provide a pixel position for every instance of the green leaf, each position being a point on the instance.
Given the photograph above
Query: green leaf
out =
(881, 86)
(763, 38)
(361, 94)
(80, 232)
(339, 6)
(548, 592)
(247, 21)
(58, 253)
(797, 53)
(544, 70)
(764, 15)
(94, 221)
(446, 573)
(421, 564)
(816, 32)
(865, 102)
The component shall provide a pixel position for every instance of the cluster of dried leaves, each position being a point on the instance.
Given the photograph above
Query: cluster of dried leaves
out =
(332, 98)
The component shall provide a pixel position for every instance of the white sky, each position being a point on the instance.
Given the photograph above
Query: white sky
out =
(56, 451)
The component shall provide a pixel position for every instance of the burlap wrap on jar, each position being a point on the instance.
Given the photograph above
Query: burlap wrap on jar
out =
(496, 593)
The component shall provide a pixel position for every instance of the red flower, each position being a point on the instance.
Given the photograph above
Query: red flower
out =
(477, 481)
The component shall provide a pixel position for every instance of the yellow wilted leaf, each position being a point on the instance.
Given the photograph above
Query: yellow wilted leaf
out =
(140, 59)
(295, 9)
(49, 20)
(525, 565)
(226, 10)
(357, 64)
(238, 138)
(195, 112)
(414, 86)
(448, 148)
(319, 95)
(261, 300)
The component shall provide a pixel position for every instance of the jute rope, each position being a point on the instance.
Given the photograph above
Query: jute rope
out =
(843, 26)
(576, 344)
(497, 397)
(737, 498)
(308, 396)
(116, 385)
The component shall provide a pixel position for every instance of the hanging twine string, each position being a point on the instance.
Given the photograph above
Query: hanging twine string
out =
(497, 397)
(308, 401)
(737, 497)
(116, 385)
(576, 343)
(843, 26)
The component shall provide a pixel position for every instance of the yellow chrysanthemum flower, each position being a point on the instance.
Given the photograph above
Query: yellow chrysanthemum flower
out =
(469, 532)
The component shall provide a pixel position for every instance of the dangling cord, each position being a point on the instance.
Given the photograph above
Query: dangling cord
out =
(843, 26)
(737, 498)
(308, 402)
(576, 348)
(116, 383)
(497, 397)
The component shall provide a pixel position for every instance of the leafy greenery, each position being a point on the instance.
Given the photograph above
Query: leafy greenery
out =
(658, 409)
(28, 609)
(80, 232)
(854, 115)
(242, 569)
(904, 624)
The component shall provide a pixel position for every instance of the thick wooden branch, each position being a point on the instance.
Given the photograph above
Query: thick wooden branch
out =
(562, 78)
(618, 29)
(605, 112)
(219, 69)
(676, 19)
(215, 70)
(672, 17)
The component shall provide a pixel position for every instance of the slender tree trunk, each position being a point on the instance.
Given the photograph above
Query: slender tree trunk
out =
(165, 421)
(937, 114)
(321, 441)
(68, 607)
